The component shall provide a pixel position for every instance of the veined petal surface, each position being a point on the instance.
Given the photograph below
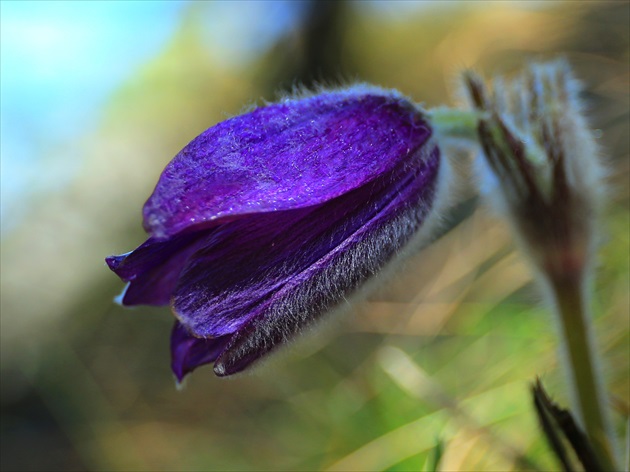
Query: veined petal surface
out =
(284, 156)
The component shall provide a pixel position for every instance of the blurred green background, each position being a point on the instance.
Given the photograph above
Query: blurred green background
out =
(98, 97)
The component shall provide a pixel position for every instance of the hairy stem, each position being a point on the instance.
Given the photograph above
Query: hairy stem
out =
(568, 292)
(455, 122)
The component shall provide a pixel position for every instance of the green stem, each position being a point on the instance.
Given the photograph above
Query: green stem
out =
(455, 122)
(579, 353)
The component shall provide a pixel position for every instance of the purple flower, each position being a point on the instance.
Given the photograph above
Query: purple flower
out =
(269, 219)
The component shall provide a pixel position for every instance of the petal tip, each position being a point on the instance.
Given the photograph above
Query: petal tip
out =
(220, 370)
(181, 381)
(231, 363)
(113, 262)
(120, 298)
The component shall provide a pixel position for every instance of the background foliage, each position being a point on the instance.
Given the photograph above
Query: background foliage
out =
(440, 356)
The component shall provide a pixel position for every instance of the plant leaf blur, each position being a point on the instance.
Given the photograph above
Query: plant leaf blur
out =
(445, 349)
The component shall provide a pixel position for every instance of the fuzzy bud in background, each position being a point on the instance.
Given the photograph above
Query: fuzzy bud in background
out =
(540, 168)
(268, 220)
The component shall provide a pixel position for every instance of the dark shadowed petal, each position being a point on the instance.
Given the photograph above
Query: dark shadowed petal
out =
(225, 280)
(188, 352)
(289, 155)
(330, 279)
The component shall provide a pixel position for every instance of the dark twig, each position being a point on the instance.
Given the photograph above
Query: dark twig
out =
(548, 410)
(546, 423)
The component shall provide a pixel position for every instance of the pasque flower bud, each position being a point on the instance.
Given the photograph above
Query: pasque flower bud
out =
(540, 165)
(541, 169)
(266, 221)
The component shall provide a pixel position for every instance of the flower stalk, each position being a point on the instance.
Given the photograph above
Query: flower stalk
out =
(455, 123)
(581, 364)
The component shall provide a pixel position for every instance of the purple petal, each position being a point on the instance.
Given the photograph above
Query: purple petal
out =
(188, 352)
(284, 156)
(153, 269)
(327, 282)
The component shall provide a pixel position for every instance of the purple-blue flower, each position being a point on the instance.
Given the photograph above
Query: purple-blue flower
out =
(267, 220)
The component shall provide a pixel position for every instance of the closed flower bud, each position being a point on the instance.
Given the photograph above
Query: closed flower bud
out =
(268, 220)
(540, 165)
